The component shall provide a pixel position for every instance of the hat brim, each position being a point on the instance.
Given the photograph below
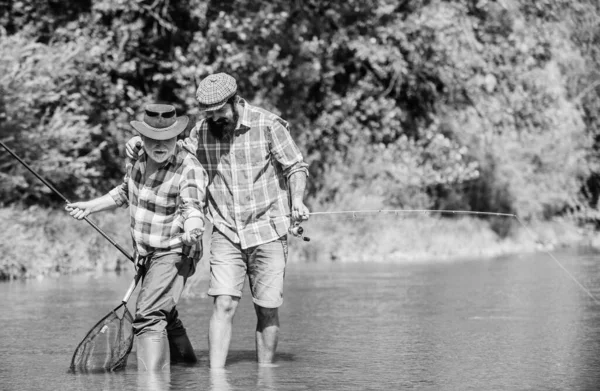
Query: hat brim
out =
(161, 133)
(213, 107)
(216, 106)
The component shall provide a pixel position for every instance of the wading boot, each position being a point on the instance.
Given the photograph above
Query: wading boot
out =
(181, 347)
(153, 352)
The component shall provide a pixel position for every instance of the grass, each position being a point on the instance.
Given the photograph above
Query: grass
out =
(424, 237)
(37, 242)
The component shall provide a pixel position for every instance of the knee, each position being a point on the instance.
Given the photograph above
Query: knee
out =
(267, 315)
(225, 305)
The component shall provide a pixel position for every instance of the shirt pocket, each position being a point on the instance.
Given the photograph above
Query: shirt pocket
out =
(253, 155)
(166, 200)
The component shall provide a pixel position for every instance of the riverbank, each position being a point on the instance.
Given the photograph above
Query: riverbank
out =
(38, 242)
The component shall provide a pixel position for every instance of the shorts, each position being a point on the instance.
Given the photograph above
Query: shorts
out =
(264, 264)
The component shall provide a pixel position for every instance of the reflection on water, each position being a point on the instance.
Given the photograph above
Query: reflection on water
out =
(218, 380)
(154, 381)
(507, 324)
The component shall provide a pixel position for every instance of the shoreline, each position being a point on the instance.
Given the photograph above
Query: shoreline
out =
(43, 242)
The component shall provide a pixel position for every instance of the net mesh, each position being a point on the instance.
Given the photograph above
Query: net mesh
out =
(107, 345)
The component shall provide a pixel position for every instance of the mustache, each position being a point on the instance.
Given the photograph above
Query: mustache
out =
(221, 126)
(217, 130)
(219, 122)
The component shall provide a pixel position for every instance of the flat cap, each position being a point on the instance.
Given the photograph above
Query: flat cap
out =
(214, 90)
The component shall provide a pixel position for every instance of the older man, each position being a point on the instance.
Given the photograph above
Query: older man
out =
(165, 192)
(257, 178)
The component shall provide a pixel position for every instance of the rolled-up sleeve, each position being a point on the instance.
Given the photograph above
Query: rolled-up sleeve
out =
(192, 192)
(285, 150)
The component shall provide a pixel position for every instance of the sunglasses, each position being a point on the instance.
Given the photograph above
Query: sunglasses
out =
(166, 114)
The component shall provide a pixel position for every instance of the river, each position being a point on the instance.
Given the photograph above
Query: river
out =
(512, 323)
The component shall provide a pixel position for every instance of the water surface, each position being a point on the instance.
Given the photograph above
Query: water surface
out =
(516, 323)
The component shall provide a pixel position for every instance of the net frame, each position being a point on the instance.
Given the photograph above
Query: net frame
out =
(116, 349)
(102, 349)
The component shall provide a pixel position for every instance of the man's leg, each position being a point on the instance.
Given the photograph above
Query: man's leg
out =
(266, 271)
(180, 347)
(219, 332)
(161, 289)
(267, 333)
(227, 275)
(153, 351)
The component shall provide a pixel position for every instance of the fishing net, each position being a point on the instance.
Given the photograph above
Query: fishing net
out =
(107, 345)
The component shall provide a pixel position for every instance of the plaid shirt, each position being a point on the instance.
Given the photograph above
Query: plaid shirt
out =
(160, 205)
(247, 194)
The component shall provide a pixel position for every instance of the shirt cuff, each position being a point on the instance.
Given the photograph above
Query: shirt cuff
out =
(191, 212)
(296, 169)
(118, 198)
(193, 216)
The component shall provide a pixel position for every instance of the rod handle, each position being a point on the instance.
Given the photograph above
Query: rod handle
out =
(132, 286)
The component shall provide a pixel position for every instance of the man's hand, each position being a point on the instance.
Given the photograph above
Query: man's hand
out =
(299, 211)
(80, 210)
(191, 237)
(133, 146)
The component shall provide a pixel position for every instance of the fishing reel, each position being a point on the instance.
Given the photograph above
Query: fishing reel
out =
(297, 231)
(196, 234)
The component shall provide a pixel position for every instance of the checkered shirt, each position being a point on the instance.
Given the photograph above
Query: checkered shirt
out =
(159, 206)
(247, 194)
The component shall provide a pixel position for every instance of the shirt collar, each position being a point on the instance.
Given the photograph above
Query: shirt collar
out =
(244, 121)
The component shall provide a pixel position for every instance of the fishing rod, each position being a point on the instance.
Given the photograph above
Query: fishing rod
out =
(298, 231)
(121, 249)
(400, 211)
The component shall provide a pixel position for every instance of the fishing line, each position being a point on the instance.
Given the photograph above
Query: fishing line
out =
(398, 211)
(356, 213)
(560, 264)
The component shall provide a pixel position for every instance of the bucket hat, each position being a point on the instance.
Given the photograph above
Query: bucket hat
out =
(160, 122)
(214, 91)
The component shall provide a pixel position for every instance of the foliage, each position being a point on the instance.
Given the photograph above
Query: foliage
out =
(478, 105)
(42, 241)
(48, 242)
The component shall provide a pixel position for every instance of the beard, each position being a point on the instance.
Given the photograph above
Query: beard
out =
(160, 151)
(223, 126)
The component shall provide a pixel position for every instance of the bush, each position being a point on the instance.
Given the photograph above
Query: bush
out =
(411, 103)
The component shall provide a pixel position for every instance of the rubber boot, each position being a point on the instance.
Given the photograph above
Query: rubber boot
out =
(181, 348)
(153, 352)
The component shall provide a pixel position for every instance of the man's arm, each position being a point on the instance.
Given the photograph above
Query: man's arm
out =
(284, 149)
(192, 195)
(119, 196)
(80, 210)
(297, 184)
(286, 152)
